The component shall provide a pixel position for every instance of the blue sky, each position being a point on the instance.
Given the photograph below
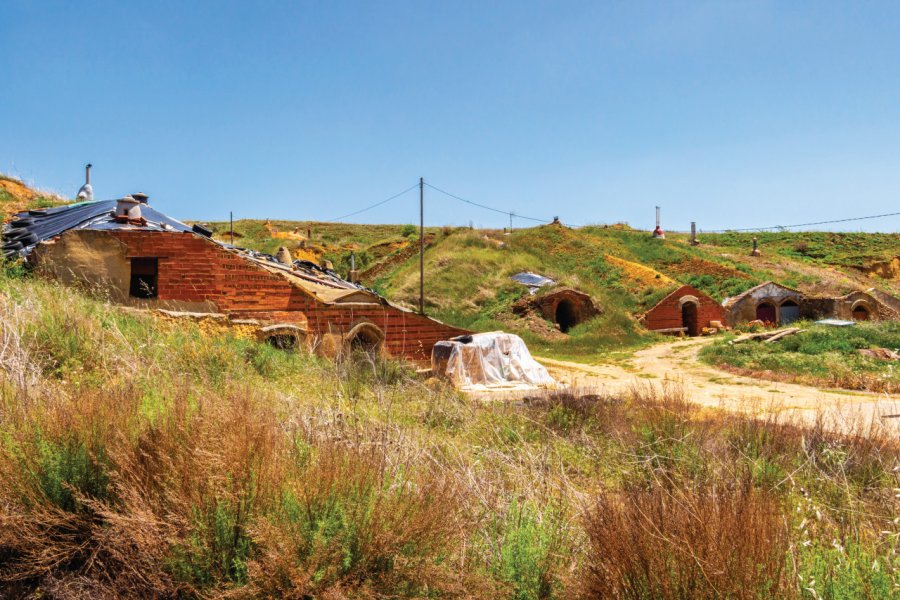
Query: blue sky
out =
(732, 114)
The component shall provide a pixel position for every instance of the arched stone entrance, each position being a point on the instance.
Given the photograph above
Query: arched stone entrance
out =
(689, 318)
(284, 336)
(861, 312)
(566, 316)
(364, 337)
(790, 312)
(765, 312)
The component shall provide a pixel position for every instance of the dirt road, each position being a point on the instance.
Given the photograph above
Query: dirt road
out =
(677, 363)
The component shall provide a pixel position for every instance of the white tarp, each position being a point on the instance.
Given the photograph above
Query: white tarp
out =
(489, 360)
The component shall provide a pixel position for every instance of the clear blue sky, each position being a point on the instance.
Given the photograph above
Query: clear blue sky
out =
(728, 113)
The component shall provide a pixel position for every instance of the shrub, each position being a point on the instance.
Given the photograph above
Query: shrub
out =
(674, 542)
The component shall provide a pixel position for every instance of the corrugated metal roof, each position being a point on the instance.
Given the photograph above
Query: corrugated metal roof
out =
(30, 228)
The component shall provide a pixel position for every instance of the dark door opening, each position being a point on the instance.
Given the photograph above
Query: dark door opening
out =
(765, 312)
(144, 274)
(365, 339)
(689, 318)
(283, 341)
(790, 312)
(860, 313)
(566, 316)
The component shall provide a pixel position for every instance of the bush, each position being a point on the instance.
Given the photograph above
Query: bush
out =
(673, 542)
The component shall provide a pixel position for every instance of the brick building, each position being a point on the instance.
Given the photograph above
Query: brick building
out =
(686, 310)
(142, 258)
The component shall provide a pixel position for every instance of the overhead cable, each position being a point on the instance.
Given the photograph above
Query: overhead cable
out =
(486, 207)
(377, 204)
(894, 214)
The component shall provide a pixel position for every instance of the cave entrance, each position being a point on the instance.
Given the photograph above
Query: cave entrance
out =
(366, 338)
(860, 313)
(283, 341)
(566, 315)
(689, 318)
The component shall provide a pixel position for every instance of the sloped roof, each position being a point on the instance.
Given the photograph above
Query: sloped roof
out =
(46, 223)
(28, 229)
(734, 299)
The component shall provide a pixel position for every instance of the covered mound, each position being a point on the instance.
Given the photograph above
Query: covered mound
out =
(564, 306)
(494, 359)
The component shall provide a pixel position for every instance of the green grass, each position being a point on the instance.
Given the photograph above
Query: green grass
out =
(143, 458)
(820, 355)
(848, 249)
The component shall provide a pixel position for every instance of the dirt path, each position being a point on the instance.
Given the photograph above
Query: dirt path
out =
(677, 363)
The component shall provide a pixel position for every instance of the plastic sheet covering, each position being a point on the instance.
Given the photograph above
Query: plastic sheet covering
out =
(489, 360)
(836, 323)
(532, 280)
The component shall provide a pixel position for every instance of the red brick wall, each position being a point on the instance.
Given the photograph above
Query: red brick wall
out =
(667, 314)
(194, 269)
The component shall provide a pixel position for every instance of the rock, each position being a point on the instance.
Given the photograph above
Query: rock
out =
(880, 353)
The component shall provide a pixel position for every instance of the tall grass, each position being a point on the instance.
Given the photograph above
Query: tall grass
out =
(144, 459)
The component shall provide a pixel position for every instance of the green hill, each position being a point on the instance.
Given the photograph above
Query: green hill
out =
(468, 272)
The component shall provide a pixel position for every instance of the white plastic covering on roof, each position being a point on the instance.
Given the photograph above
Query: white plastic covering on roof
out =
(532, 280)
(491, 360)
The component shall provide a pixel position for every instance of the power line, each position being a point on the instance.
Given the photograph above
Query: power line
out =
(486, 207)
(894, 214)
(377, 204)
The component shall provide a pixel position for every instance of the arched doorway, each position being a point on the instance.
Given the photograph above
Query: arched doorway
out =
(284, 336)
(765, 312)
(790, 312)
(366, 338)
(861, 313)
(566, 315)
(689, 318)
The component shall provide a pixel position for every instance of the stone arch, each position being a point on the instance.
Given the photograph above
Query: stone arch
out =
(566, 315)
(766, 311)
(689, 317)
(284, 336)
(861, 311)
(788, 311)
(366, 337)
(688, 298)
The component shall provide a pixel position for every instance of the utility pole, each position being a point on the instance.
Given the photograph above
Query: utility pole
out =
(421, 245)
(231, 220)
(510, 221)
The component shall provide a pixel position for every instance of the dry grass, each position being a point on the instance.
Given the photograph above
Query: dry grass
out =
(672, 541)
(144, 460)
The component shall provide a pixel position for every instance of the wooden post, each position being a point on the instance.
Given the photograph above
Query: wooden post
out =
(421, 245)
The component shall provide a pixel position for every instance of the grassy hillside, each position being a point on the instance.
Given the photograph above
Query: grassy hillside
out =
(140, 458)
(627, 271)
(16, 197)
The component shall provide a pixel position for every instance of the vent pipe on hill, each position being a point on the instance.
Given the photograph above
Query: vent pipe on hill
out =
(658, 232)
(86, 193)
